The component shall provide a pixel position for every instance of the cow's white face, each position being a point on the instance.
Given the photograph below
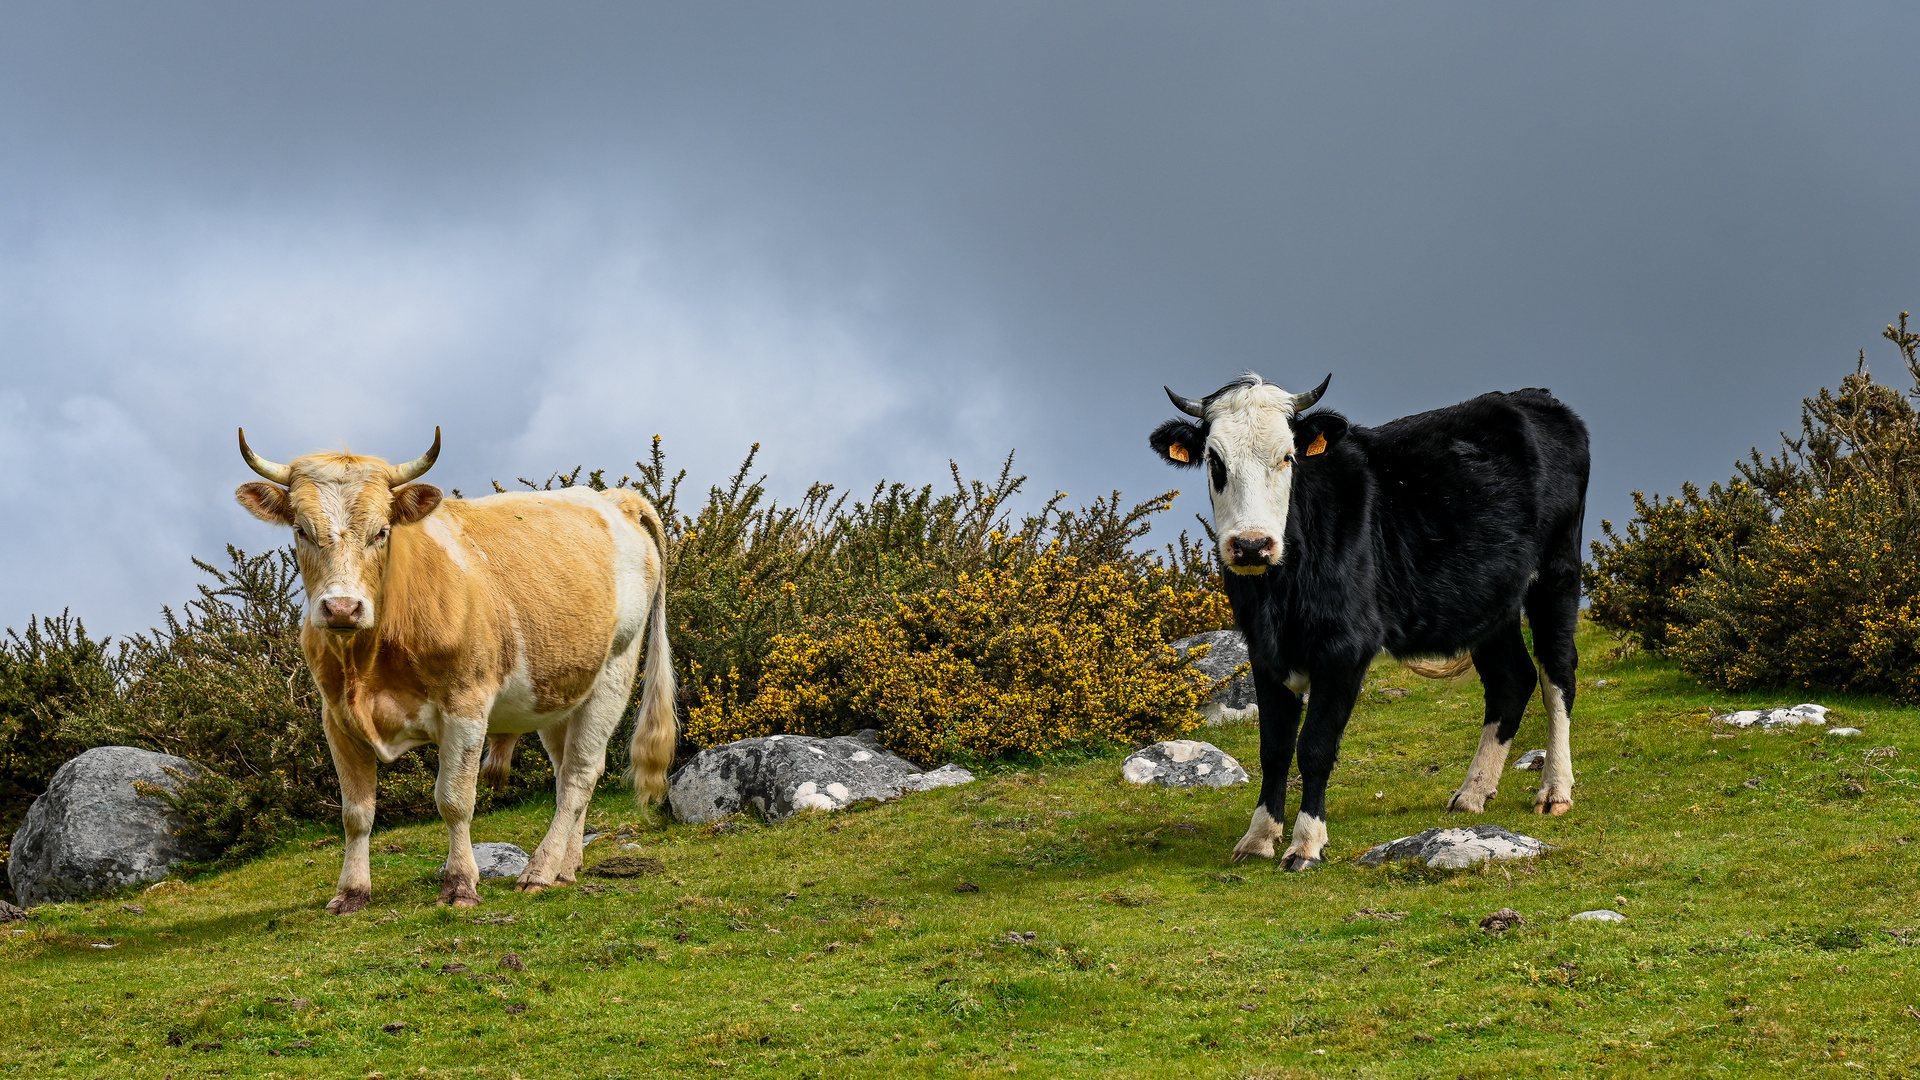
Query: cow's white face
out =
(1249, 468)
(1248, 446)
(342, 510)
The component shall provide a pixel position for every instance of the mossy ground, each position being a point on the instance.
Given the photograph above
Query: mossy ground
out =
(1769, 929)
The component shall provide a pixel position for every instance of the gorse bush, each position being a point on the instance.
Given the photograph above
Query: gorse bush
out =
(1800, 571)
(747, 576)
(46, 673)
(1056, 597)
(1010, 660)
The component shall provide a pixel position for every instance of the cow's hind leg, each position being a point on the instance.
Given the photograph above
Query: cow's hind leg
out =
(1553, 606)
(1279, 721)
(577, 769)
(1506, 672)
(1327, 715)
(461, 742)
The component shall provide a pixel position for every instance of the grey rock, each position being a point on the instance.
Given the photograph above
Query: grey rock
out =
(499, 860)
(1775, 719)
(1845, 732)
(1531, 761)
(93, 833)
(1235, 701)
(1455, 849)
(1601, 915)
(781, 775)
(1183, 763)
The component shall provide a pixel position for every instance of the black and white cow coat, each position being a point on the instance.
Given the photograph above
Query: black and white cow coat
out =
(1427, 536)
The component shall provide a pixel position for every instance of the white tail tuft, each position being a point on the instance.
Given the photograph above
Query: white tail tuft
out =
(657, 729)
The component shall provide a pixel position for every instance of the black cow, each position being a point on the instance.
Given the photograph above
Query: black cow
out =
(1427, 536)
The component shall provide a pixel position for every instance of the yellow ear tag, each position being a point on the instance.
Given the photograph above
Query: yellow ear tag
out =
(1179, 453)
(1318, 446)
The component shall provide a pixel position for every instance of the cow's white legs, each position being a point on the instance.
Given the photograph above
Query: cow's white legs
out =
(1556, 778)
(1262, 834)
(579, 751)
(358, 770)
(461, 742)
(1309, 843)
(1483, 776)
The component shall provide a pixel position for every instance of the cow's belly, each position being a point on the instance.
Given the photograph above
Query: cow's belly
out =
(517, 706)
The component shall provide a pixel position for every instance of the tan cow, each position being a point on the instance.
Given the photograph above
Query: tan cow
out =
(467, 623)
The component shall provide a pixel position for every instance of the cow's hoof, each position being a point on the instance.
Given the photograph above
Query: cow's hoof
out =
(1297, 862)
(348, 902)
(459, 894)
(1467, 802)
(1556, 807)
(1249, 849)
(532, 886)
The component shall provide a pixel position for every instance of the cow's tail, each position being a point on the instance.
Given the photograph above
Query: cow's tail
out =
(657, 729)
(1441, 669)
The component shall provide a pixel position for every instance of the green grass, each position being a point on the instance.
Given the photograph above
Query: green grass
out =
(837, 946)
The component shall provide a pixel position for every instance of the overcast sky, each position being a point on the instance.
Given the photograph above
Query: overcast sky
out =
(877, 237)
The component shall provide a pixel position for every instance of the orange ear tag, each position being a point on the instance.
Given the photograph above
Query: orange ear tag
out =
(1318, 446)
(1179, 453)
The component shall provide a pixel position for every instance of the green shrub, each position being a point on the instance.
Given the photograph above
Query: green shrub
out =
(46, 673)
(1801, 570)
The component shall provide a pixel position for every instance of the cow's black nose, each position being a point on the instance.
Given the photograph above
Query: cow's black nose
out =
(341, 611)
(1248, 550)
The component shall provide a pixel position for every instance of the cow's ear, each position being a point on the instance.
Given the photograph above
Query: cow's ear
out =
(1315, 432)
(268, 502)
(1179, 443)
(413, 502)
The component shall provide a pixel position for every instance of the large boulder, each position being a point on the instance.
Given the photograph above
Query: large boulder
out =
(1182, 763)
(93, 833)
(1455, 849)
(781, 775)
(1234, 701)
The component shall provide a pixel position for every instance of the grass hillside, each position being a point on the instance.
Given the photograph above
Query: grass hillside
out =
(1769, 880)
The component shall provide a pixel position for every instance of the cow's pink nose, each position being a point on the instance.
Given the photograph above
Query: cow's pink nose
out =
(1252, 548)
(342, 611)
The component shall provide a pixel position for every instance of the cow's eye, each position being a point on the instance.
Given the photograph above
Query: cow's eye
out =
(379, 536)
(1219, 470)
(301, 534)
(1287, 459)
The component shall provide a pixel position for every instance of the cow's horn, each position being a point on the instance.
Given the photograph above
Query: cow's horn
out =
(412, 470)
(1303, 402)
(272, 470)
(1186, 404)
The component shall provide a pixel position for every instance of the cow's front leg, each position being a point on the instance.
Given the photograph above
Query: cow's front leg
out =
(1279, 720)
(358, 770)
(461, 742)
(1320, 736)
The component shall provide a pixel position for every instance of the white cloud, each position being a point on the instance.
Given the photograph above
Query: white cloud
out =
(538, 340)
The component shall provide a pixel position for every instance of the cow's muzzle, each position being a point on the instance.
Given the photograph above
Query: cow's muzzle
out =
(342, 612)
(1252, 553)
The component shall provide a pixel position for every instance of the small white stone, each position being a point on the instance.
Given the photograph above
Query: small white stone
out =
(1845, 732)
(1600, 915)
(1599, 684)
(1531, 761)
